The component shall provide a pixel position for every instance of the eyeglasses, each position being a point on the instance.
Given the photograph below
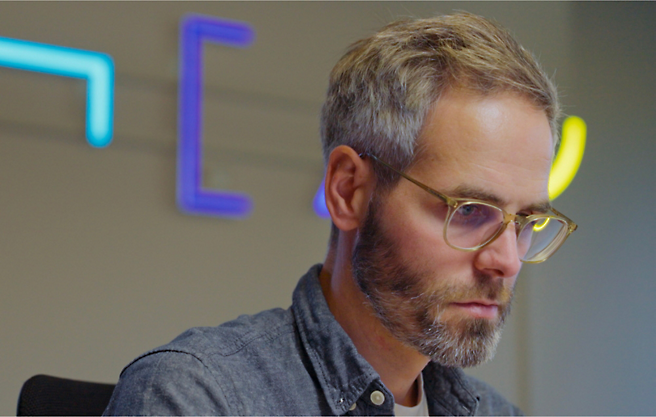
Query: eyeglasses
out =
(471, 224)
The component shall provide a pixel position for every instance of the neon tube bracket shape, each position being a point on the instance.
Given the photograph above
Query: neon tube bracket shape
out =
(192, 198)
(95, 67)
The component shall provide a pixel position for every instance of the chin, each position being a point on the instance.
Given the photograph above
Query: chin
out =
(472, 349)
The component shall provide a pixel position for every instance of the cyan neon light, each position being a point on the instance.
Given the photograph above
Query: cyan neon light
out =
(563, 170)
(95, 67)
(192, 197)
(570, 155)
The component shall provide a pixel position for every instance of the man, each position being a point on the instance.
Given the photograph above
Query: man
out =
(438, 137)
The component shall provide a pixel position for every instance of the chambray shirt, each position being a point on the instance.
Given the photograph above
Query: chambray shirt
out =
(297, 361)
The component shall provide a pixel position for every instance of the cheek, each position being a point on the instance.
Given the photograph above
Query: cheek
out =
(418, 232)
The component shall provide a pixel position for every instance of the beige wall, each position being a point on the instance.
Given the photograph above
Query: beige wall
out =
(98, 265)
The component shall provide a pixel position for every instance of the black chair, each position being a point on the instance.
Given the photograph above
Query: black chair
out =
(44, 395)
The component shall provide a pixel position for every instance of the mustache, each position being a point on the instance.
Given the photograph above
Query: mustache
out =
(485, 287)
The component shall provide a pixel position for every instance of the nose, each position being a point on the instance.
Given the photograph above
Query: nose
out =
(500, 258)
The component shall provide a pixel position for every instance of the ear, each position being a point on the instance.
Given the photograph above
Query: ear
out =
(349, 184)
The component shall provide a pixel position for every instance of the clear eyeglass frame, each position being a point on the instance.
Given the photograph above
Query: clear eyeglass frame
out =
(521, 220)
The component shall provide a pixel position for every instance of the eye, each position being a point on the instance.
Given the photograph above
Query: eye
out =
(467, 210)
(474, 215)
(472, 210)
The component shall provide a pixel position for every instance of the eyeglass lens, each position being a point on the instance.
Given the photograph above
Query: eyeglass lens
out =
(473, 224)
(540, 238)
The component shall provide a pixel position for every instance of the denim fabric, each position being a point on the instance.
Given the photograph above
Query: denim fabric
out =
(297, 361)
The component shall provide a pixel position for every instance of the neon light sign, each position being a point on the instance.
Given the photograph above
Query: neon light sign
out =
(191, 196)
(567, 162)
(98, 69)
(319, 202)
(95, 67)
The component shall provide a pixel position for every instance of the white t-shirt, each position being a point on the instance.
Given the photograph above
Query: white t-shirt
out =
(420, 409)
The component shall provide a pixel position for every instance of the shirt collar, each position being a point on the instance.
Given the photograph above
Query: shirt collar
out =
(344, 374)
(455, 395)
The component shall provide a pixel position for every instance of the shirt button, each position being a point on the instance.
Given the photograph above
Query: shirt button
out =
(377, 397)
(352, 407)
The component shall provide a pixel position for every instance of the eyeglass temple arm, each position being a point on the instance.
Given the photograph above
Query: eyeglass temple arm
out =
(448, 200)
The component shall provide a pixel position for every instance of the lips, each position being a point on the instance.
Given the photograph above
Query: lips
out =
(479, 308)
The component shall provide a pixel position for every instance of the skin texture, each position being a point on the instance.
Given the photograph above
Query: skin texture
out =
(498, 147)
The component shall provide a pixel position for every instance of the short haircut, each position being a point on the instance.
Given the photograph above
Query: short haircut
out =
(381, 90)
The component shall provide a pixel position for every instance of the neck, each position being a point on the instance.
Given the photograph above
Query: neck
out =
(398, 365)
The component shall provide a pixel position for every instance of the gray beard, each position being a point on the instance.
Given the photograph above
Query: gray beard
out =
(412, 314)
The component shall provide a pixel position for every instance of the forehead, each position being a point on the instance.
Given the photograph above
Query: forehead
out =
(500, 145)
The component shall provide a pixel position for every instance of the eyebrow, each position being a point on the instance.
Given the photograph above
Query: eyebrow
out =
(464, 191)
(543, 207)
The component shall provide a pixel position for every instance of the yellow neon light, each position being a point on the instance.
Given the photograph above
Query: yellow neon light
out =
(538, 227)
(570, 154)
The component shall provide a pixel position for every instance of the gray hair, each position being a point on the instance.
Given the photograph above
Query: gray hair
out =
(381, 90)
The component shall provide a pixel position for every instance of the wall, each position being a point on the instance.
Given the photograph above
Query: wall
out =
(592, 333)
(98, 265)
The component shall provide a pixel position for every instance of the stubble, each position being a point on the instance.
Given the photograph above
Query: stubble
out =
(410, 303)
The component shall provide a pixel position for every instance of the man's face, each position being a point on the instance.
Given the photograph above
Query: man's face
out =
(448, 304)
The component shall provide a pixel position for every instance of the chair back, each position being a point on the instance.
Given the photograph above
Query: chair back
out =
(44, 395)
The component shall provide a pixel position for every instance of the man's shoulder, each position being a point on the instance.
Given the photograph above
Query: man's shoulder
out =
(490, 401)
(230, 337)
(203, 370)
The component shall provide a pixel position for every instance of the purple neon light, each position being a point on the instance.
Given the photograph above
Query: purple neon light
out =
(191, 196)
(319, 202)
